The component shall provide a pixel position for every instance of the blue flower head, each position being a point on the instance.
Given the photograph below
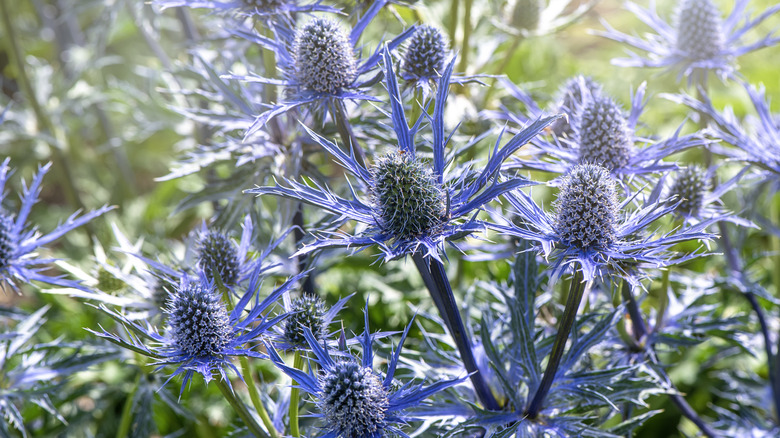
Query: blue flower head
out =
(690, 185)
(201, 334)
(325, 60)
(410, 204)
(601, 133)
(355, 401)
(571, 97)
(307, 312)
(426, 54)
(699, 40)
(218, 257)
(19, 241)
(592, 229)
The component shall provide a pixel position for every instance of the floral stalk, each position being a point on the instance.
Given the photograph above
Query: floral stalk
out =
(339, 114)
(295, 393)
(632, 307)
(464, 55)
(452, 25)
(240, 408)
(127, 412)
(576, 293)
(254, 395)
(435, 278)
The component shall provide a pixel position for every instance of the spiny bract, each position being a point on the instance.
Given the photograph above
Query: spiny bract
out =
(199, 321)
(353, 401)
(699, 29)
(324, 58)
(526, 14)
(218, 255)
(408, 198)
(306, 311)
(690, 186)
(7, 244)
(571, 99)
(587, 207)
(604, 135)
(426, 52)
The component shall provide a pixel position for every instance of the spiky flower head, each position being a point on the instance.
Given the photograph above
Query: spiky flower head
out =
(264, 5)
(699, 29)
(218, 256)
(409, 200)
(690, 186)
(604, 135)
(307, 311)
(526, 14)
(587, 207)
(572, 94)
(353, 400)
(198, 319)
(324, 58)
(425, 53)
(7, 243)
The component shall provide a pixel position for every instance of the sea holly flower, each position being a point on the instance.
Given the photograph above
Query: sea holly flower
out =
(305, 312)
(757, 138)
(319, 64)
(571, 97)
(696, 199)
(201, 334)
(591, 228)
(528, 18)
(410, 205)
(602, 133)
(699, 40)
(19, 262)
(353, 400)
(425, 57)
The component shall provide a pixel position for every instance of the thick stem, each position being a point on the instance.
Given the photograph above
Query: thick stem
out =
(452, 25)
(240, 408)
(339, 114)
(254, 395)
(464, 53)
(295, 394)
(435, 279)
(127, 412)
(690, 414)
(564, 330)
(632, 307)
(298, 222)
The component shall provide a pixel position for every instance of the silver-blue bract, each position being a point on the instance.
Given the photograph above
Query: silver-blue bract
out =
(397, 223)
(353, 399)
(697, 42)
(591, 232)
(19, 242)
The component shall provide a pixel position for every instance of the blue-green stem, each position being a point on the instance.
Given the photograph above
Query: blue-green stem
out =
(576, 293)
(435, 278)
(240, 408)
(632, 307)
(295, 394)
(464, 53)
(58, 142)
(127, 412)
(254, 395)
(344, 127)
(452, 24)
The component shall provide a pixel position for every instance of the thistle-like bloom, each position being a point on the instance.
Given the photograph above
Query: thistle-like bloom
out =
(425, 57)
(697, 200)
(571, 96)
(353, 400)
(408, 203)
(19, 262)
(305, 312)
(319, 64)
(602, 133)
(201, 335)
(758, 137)
(590, 227)
(698, 41)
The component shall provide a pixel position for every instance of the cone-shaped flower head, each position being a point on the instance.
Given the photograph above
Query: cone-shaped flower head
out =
(587, 207)
(573, 93)
(408, 199)
(307, 311)
(426, 53)
(353, 400)
(7, 244)
(604, 135)
(324, 57)
(526, 14)
(218, 256)
(699, 29)
(199, 321)
(690, 187)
